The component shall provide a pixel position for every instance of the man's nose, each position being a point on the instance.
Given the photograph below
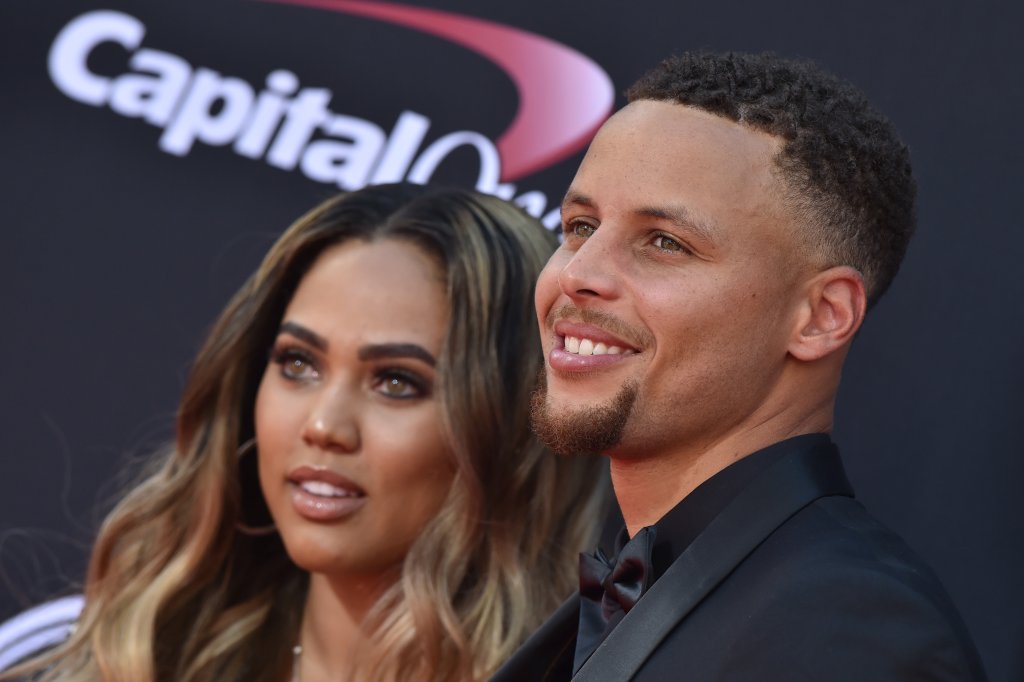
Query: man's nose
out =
(592, 270)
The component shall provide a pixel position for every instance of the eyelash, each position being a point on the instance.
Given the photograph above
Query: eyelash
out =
(569, 231)
(288, 356)
(682, 247)
(418, 387)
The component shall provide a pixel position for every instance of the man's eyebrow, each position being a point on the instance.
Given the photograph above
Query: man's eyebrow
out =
(682, 218)
(679, 216)
(307, 335)
(395, 350)
(573, 197)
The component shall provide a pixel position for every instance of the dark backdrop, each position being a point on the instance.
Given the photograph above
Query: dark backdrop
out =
(115, 255)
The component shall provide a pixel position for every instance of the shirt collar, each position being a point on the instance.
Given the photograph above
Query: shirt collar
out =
(684, 522)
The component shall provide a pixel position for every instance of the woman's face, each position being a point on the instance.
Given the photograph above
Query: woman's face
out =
(352, 460)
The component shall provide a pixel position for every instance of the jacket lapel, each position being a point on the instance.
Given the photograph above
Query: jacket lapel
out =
(784, 489)
(548, 653)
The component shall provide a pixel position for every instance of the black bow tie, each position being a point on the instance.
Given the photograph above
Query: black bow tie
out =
(609, 589)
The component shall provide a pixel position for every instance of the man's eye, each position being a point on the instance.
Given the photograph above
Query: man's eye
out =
(581, 230)
(669, 244)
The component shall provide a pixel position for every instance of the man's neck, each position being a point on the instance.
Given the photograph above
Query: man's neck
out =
(648, 487)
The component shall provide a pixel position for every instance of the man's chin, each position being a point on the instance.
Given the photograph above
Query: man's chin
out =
(569, 428)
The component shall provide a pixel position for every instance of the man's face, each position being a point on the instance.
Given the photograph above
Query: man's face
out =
(666, 313)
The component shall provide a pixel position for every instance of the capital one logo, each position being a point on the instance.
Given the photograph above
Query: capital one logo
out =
(563, 98)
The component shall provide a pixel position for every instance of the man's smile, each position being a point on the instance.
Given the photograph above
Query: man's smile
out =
(584, 347)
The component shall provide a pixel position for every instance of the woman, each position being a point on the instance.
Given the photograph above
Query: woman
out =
(416, 529)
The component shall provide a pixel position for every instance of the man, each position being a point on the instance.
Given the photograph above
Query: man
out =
(724, 236)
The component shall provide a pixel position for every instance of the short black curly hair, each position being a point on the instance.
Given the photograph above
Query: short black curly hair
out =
(849, 172)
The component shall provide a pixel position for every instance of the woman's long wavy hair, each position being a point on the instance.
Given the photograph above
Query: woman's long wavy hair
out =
(175, 593)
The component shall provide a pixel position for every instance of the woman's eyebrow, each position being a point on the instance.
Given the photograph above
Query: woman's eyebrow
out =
(374, 351)
(396, 350)
(307, 335)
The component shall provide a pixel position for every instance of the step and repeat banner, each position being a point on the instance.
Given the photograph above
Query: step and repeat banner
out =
(150, 152)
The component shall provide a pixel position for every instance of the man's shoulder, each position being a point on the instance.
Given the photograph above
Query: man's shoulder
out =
(834, 560)
(830, 589)
(837, 537)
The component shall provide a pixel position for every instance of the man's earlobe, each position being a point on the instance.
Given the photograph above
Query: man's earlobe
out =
(832, 313)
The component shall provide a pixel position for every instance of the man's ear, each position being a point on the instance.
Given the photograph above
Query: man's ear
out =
(830, 315)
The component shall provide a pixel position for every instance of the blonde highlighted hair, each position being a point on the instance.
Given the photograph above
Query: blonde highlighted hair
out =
(175, 592)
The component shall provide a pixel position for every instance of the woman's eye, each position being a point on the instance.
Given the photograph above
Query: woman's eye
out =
(295, 365)
(400, 385)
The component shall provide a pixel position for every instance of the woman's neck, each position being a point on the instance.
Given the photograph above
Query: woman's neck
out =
(332, 624)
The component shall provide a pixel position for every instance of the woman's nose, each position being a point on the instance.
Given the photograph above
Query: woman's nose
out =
(333, 423)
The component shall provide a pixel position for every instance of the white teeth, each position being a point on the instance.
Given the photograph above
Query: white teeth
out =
(584, 346)
(324, 489)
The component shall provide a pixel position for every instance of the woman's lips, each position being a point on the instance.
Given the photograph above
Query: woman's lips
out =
(324, 495)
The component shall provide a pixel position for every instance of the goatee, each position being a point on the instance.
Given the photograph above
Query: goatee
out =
(586, 430)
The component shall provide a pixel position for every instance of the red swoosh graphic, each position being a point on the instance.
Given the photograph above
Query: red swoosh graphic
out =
(564, 96)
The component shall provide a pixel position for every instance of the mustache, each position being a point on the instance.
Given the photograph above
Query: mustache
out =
(641, 338)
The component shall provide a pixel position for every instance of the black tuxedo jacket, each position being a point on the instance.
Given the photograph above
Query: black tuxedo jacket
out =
(792, 581)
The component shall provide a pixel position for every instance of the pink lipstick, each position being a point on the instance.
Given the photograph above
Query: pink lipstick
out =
(324, 495)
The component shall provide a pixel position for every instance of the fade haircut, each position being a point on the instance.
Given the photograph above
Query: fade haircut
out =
(847, 173)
